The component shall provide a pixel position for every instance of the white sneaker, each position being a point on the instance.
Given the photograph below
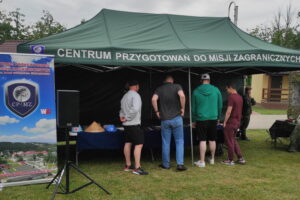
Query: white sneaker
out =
(199, 163)
(211, 161)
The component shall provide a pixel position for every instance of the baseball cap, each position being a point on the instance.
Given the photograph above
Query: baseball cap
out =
(205, 77)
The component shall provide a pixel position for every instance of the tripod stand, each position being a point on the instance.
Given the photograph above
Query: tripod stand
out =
(65, 171)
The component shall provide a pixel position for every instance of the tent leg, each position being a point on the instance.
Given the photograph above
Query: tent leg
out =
(191, 128)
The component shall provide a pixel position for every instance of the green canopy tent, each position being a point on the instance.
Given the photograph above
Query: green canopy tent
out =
(119, 38)
(162, 42)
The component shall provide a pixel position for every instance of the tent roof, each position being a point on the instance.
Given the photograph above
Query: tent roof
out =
(120, 38)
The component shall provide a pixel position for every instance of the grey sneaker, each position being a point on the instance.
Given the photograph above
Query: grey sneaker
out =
(241, 161)
(228, 162)
(211, 161)
(139, 171)
(199, 163)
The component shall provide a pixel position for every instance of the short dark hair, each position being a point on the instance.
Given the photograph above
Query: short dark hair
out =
(231, 84)
(247, 89)
(168, 76)
(132, 83)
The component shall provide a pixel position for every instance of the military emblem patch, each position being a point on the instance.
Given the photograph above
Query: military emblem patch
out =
(21, 96)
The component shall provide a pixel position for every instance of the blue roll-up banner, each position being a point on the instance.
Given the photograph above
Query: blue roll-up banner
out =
(28, 151)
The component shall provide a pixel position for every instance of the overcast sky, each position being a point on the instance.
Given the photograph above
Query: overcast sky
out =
(71, 12)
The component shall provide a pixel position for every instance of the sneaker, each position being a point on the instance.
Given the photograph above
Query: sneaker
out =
(199, 163)
(241, 161)
(128, 168)
(139, 171)
(181, 168)
(211, 161)
(163, 167)
(228, 162)
(244, 138)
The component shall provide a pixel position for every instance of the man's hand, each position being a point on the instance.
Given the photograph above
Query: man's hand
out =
(194, 125)
(122, 119)
(224, 125)
(182, 112)
(158, 115)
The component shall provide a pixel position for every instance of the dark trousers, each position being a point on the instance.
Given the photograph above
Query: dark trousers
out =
(232, 144)
(244, 124)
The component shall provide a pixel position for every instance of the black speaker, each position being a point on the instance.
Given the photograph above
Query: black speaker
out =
(281, 128)
(67, 104)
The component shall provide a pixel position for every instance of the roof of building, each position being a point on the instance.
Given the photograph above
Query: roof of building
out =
(10, 46)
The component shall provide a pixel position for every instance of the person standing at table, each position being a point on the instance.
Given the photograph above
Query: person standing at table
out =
(231, 124)
(248, 102)
(206, 111)
(170, 111)
(130, 116)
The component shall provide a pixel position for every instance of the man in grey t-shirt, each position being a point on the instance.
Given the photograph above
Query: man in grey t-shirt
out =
(130, 115)
(170, 111)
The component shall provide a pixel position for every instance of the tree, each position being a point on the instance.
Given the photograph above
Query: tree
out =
(51, 157)
(45, 26)
(82, 21)
(283, 31)
(264, 32)
(40, 155)
(19, 158)
(13, 27)
(6, 28)
(3, 161)
(17, 19)
(34, 157)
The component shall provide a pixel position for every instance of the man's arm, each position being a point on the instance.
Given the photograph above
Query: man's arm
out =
(154, 104)
(220, 104)
(193, 107)
(227, 115)
(122, 114)
(135, 107)
(253, 102)
(182, 101)
(228, 110)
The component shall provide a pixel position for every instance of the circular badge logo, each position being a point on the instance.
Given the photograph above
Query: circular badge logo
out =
(21, 94)
(38, 49)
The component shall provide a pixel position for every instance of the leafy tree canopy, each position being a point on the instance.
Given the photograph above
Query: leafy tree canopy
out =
(13, 26)
(283, 31)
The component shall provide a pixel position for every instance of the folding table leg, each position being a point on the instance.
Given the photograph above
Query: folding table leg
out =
(152, 156)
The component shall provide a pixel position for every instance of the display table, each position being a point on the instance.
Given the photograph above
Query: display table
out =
(281, 129)
(112, 141)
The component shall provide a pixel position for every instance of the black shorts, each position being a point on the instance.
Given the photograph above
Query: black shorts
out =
(134, 134)
(206, 130)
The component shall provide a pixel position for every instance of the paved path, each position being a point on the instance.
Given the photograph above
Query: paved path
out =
(259, 121)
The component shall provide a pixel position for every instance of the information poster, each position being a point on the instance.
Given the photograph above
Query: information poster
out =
(28, 151)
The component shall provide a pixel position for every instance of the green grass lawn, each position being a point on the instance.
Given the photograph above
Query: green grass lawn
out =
(270, 174)
(265, 111)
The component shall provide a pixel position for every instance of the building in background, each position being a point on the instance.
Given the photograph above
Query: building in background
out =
(271, 90)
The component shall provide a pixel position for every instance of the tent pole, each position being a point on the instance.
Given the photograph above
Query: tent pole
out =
(190, 107)
(150, 86)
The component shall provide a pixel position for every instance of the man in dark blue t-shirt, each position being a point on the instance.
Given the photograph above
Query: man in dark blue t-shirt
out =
(171, 100)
